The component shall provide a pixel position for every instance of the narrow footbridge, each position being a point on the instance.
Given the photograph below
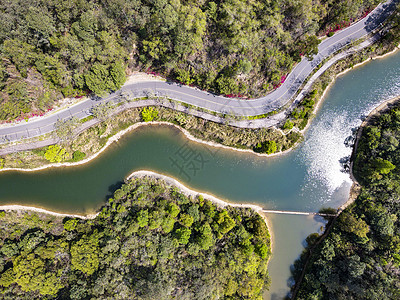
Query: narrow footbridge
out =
(286, 212)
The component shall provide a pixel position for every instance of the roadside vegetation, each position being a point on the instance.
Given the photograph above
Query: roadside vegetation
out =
(149, 241)
(90, 141)
(360, 257)
(258, 140)
(390, 39)
(51, 49)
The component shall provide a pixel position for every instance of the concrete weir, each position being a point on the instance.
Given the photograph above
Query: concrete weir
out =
(286, 212)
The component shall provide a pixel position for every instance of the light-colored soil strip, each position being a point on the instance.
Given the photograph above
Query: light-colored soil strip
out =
(138, 77)
(45, 211)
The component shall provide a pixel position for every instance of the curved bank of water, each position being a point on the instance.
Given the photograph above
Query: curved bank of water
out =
(307, 178)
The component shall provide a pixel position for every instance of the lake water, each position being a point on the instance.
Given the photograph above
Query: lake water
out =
(307, 179)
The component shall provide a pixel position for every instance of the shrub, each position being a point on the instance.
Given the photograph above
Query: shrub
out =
(288, 125)
(268, 147)
(226, 85)
(78, 155)
(149, 114)
(55, 153)
(70, 225)
(84, 255)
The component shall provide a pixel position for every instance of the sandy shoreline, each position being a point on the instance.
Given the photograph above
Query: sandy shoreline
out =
(118, 135)
(138, 77)
(46, 211)
(218, 201)
(170, 181)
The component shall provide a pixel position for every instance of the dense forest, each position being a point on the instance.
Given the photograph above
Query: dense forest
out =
(149, 241)
(360, 258)
(53, 49)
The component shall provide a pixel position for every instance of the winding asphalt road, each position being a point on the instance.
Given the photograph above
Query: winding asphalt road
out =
(209, 101)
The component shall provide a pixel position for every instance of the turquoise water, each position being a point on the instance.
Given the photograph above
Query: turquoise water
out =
(306, 179)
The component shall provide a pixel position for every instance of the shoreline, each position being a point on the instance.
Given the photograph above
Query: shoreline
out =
(324, 94)
(189, 192)
(169, 181)
(355, 187)
(135, 126)
(18, 207)
(188, 135)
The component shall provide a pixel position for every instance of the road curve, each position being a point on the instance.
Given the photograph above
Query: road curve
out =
(209, 101)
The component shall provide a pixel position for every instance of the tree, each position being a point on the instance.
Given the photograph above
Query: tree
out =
(41, 22)
(98, 79)
(53, 70)
(168, 224)
(118, 75)
(85, 255)
(149, 114)
(143, 218)
(355, 266)
(226, 85)
(288, 125)
(311, 46)
(244, 66)
(184, 76)
(21, 54)
(78, 155)
(382, 221)
(226, 223)
(350, 223)
(192, 24)
(70, 225)
(186, 220)
(7, 278)
(155, 219)
(268, 147)
(55, 153)
(262, 250)
(154, 48)
(328, 250)
(30, 274)
(173, 210)
(64, 129)
(102, 111)
(383, 166)
(206, 238)
(183, 235)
